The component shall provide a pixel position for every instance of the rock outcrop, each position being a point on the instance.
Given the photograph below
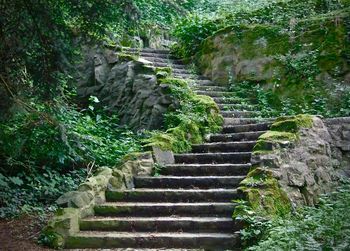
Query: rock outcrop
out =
(127, 86)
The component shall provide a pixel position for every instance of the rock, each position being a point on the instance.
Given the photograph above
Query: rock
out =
(75, 199)
(126, 86)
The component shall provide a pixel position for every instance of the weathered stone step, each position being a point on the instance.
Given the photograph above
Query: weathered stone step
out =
(161, 224)
(232, 107)
(244, 121)
(243, 136)
(162, 60)
(206, 169)
(203, 82)
(188, 76)
(239, 114)
(210, 88)
(216, 241)
(202, 182)
(152, 54)
(146, 50)
(246, 146)
(211, 158)
(214, 94)
(226, 99)
(139, 209)
(181, 71)
(174, 66)
(172, 195)
(246, 128)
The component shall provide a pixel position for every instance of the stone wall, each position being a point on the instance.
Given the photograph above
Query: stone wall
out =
(300, 158)
(78, 204)
(126, 86)
(339, 129)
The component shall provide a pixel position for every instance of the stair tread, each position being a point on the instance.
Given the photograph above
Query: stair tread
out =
(226, 143)
(113, 234)
(207, 154)
(189, 177)
(167, 218)
(165, 204)
(184, 190)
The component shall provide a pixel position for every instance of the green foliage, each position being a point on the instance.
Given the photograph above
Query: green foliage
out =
(324, 227)
(195, 117)
(192, 30)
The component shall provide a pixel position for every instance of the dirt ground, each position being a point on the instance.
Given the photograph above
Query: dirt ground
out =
(20, 234)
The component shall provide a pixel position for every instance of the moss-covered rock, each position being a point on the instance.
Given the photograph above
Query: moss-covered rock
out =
(264, 194)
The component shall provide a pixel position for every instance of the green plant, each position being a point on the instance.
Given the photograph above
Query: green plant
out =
(324, 227)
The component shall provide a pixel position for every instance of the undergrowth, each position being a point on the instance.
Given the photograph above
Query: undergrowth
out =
(324, 227)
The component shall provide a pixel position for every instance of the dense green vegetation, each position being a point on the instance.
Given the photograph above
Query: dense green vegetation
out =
(324, 227)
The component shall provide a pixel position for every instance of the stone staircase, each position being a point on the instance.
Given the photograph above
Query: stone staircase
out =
(189, 205)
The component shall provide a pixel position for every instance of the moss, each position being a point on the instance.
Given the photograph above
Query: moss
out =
(292, 124)
(127, 57)
(174, 82)
(163, 72)
(264, 194)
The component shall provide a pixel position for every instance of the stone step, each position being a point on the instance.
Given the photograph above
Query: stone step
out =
(162, 60)
(203, 82)
(161, 224)
(172, 195)
(206, 169)
(244, 121)
(140, 209)
(153, 55)
(224, 147)
(174, 66)
(209, 88)
(195, 182)
(232, 107)
(188, 76)
(239, 114)
(211, 158)
(214, 94)
(146, 50)
(229, 137)
(181, 71)
(227, 99)
(246, 128)
(168, 240)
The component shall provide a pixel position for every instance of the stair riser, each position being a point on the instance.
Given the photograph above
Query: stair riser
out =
(228, 107)
(246, 128)
(161, 226)
(174, 66)
(171, 196)
(213, 158)
(188, 76)
(214, 170)
(151, 211)
(224, 148)
(187, 183)
(241, 121)
(157, 51)
(152, 242)
(212, 94)
(235, 137)
(226, 100)
(210, 88)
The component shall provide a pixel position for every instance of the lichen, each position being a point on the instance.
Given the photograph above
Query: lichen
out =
(292, 124)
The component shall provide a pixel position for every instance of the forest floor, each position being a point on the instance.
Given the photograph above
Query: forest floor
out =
(20, 234)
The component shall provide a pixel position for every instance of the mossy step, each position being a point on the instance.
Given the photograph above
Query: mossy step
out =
(227, 99)
(232, 107)
(209, 88)
(147, 50)
(162, 60)
(172, 195)
(202, 182)
(203, 82)
(94, 239)
(206, 169)
(214, 94)
(161, 224)
(152, 54)
(245, 121)
(244, 146)
(165, 209)
(189, 76)
(211, 158)
(239, 114)
(242, 136)
(246, 128)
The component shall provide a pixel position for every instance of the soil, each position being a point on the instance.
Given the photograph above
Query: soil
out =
(20, 234)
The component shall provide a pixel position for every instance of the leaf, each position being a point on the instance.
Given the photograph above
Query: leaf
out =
(17, 181)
